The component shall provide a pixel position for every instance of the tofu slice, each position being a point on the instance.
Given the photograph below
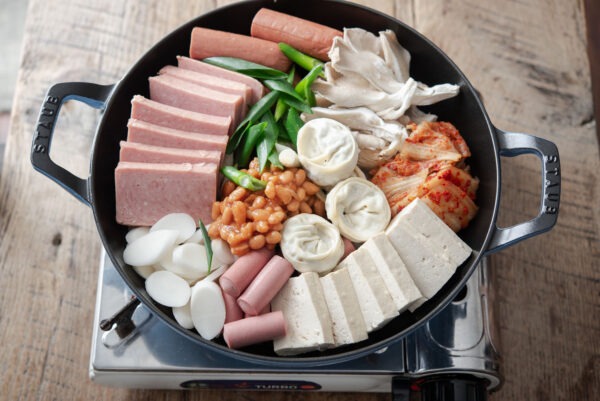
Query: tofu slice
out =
(307, 318)
(418, 216)
(344, 309)
(376, 303)
(397, 279)
(428, 269)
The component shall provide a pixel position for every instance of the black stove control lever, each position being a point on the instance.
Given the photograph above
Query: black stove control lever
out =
(453, 388)
(440, 388)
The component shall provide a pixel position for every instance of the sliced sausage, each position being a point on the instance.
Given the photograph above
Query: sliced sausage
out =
(151, 134)
(266, 309)
(266, 285)
(198, 66)
(209, 43)
(254, 330)
(176, 92)
(307, 36)
(174, 117)
(140, 152)
(232, 309)
(241, 273)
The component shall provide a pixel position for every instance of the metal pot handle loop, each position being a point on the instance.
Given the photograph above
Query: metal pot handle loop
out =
(515, 144)
(91, 94)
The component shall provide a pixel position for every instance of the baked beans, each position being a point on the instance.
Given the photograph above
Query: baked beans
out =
(253, 220)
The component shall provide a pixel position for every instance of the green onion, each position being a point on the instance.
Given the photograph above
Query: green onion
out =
(274, 158)
(281, 107)
(283, 87)
(256, 111)
(303, 87)
(243, 179)
(296, 104)
(303, 60)
(249, 68)
(207, 245)
(255, 133)
(292, 125)
(266, 145)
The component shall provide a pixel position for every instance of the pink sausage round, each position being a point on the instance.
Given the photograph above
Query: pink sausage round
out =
(254, 330)
(232, 309)
(235, 280)
(266, 285)
(266, 309)
(348, 247)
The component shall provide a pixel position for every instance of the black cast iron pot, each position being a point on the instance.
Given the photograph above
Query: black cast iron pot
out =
(428, 65)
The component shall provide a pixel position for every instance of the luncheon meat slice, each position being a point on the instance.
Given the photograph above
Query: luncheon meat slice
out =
(174, 117)
(140, 152)
(145, 192)
(198, 66)
(151, 134)
(209, 81)
(172, 91)
(210, 42)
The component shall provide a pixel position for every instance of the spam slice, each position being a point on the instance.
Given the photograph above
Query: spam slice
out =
(216, 83)
(177, 118)
(305, 310)
(140, 152)
(210, 42)
(348, 324)
(212, 70)
(176, 92)
(376, 303)
(151, 134)
(145, 192)
(393, 270)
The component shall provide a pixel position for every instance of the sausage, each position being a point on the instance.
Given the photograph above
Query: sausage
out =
(241, 273)
(348, 247)
(266, 285)
(307, 36)
(232, 309)
(266, 309)
(254, 330)
(209, 43)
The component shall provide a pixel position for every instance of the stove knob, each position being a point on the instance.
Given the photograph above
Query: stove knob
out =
(453, 388)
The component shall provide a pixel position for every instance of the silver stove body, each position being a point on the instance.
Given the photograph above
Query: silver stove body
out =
(146, 353)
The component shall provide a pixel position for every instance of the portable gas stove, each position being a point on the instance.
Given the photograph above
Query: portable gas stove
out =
(453, 356)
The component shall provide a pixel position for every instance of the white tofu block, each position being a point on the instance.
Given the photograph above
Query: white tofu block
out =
(423, 221)
(428, 269)
(397, 279)
(376, 303)
(305, 310)
(344, 309)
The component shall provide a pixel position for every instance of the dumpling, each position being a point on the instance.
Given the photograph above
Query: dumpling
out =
(358, 208)
(311, 243)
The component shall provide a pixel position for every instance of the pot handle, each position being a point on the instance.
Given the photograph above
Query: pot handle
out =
(515, 144)
(93, 95)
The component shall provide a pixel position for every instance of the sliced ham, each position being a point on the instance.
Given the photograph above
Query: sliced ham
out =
(174, 117)
(176, 92)
(145, 192)
(258, 90)
(151, 134)
(210, 42)
(140, 152)
(210, 81)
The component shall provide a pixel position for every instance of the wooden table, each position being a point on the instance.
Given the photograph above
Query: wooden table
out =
(528, 59)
